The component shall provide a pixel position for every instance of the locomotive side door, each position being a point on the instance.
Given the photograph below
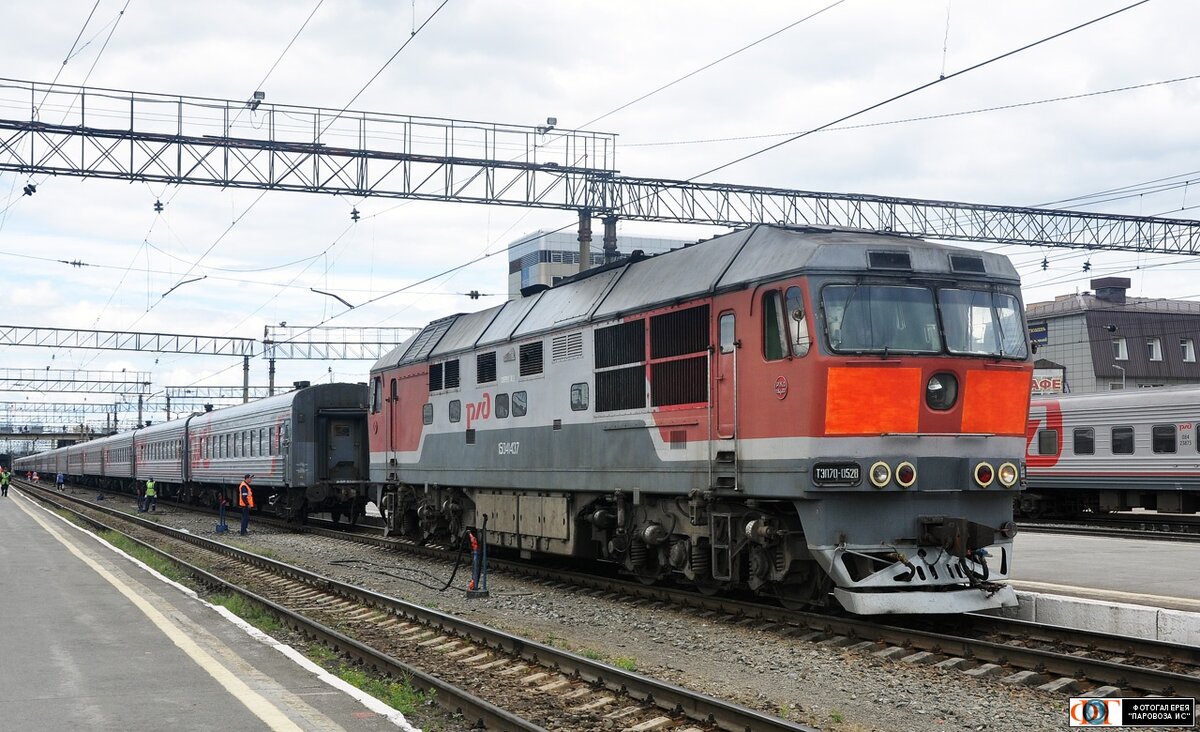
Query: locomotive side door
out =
(394, 430)
(725, 377)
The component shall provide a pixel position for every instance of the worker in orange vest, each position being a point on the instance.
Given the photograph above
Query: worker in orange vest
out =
(246, 502)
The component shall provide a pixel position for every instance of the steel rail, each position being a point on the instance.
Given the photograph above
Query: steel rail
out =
(461, 702)
(669, 697)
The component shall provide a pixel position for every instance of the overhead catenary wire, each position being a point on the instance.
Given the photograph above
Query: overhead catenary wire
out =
(919, 88)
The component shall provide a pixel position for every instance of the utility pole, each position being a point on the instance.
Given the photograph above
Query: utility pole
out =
(610, 239)
(245, 379)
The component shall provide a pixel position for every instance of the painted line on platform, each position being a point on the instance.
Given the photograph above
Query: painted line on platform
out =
(262, 708)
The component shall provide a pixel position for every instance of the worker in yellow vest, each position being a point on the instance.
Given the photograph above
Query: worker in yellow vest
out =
(246, 502)
(151, 502)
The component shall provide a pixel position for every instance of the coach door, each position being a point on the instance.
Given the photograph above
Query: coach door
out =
(343, 441)
(725, 377)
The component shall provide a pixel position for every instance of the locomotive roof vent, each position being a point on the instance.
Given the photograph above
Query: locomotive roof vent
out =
(966, 263)
(535, 288)
(301, 384)
(891, 259)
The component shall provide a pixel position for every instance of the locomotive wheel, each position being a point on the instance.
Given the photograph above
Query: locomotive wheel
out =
(708, 587)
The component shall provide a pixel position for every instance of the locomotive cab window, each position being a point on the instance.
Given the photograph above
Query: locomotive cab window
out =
(455, 410)
(579, 397)
(726, 333)
(797, 321)
(501, 406)
(1122, 440)
(774, 339)
(1047, 442)
(427, 413)
(1085, 441)
(880, 318)
(1162, 438)
(376, 394)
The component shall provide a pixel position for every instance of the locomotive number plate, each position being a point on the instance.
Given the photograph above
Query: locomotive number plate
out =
(837, 474)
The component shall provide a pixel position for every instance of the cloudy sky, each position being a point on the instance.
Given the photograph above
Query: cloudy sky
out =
(1057, 125)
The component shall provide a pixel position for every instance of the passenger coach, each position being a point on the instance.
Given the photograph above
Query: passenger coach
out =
(306, 449)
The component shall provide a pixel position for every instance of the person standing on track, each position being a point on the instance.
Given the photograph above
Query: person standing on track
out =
(245, 502)
(60, 482)
(151, 501)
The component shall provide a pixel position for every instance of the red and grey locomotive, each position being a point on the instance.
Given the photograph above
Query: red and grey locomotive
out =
(797, 412)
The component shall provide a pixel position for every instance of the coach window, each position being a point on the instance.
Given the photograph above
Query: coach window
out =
(1047, 442)
(376, 394)
(520, 403)
(774, 327)
(1122, 440)
(501, 406)
(271, 441)
(1162, 438)
(1085, 441)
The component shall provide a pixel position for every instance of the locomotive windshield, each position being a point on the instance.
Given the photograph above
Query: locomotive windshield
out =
(903, 318)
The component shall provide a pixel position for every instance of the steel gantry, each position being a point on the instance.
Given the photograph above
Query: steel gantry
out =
(126, 135)
(63, 408)
(109, 340)
(70, 380)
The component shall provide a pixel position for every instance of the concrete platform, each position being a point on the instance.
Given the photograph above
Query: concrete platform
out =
(1139, 588)
(92, 639)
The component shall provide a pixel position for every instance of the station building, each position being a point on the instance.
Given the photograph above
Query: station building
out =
(1103, 340)
(545, 258)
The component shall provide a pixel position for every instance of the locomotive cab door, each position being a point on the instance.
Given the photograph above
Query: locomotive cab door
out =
(725, 377)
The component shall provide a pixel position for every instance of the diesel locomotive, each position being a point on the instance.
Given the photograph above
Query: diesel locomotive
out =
(802, 413)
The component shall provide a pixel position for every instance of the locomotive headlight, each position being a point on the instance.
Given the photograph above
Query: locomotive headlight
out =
(906, 474)
(1007, 475)
(941, 392)
(984, 474)
(881, 474)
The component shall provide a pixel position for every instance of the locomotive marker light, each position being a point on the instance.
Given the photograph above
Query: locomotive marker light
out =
(906, 474)
(984, 474)
(1007, 475)
(881, 474)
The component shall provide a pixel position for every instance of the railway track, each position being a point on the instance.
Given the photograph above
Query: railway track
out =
(1139, 526)
(493, 679)
(1059, 659)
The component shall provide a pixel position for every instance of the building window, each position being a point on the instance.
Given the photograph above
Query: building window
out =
(1189, 350)
(1154, 349)
(1122, 440)
(1119, 351)
(1162, 438)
